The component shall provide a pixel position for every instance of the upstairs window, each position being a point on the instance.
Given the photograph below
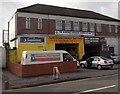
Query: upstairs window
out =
(98, 27)
(27, 23)
(110, 28)
(116, 29)
(58, 25)
(84, 26)
(92, 27)
(67, 25)
(76, 26)
(40, 24)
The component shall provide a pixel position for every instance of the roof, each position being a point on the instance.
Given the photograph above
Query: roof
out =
(62, 11)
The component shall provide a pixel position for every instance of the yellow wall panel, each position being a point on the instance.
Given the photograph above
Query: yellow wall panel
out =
(50, 45)
(28, 47)
(12, 56)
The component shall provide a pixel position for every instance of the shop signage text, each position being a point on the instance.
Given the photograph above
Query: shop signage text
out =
(32, 40)
(74, 33)
(45, 57)
(64, 39)
(94, 40)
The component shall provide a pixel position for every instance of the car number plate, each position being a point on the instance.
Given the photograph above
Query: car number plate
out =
(110, 62)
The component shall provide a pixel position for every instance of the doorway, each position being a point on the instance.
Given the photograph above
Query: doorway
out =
(71, 48)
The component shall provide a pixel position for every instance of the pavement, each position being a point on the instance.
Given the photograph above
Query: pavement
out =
(18, 82)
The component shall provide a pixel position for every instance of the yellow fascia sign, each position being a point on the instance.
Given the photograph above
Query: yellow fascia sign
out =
(40, 43)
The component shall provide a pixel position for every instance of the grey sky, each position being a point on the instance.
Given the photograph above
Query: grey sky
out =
(9, 7)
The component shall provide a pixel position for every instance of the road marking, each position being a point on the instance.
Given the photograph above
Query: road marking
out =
(61, 83)
(100, 88)
(88, 79)
(91, 90)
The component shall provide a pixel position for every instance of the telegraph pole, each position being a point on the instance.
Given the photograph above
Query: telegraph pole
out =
(8, 32)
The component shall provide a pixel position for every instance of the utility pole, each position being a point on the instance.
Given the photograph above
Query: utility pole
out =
(8, 32)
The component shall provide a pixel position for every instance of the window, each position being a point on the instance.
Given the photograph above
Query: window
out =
(98, 28)
(110, 28)
(84, 26)
(76, 26)
(111, 49)
(92, 28)
(116, 29)
(58, 25)
(39, 23)
(90, 59)
(96, 59)
(67, 57)
(27, 23)
(67, 25)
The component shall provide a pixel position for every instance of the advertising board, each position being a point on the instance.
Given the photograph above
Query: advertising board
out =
(45, 57)
(32, 40)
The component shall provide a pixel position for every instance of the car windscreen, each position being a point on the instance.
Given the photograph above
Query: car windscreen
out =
(113, 55)
(104, 58)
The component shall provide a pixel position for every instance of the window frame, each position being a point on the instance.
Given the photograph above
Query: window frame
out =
(39, 24)
(28, 23)
(116, 29)
(67, 57)
(68, 25)
(110, 28)
(92, 27)
(76, 26)
(84, 26)
(98, 27)
(58, 24)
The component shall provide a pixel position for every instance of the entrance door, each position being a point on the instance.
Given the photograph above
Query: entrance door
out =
(71, 48)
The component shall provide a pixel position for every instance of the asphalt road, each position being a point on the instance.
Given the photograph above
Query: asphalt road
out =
(107, 83)
(99, 84)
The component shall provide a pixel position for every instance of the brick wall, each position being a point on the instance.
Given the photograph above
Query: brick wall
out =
(40, 69)
(48, 27)
(15, 69)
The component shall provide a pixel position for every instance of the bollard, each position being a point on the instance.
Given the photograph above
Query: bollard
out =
(56, 73)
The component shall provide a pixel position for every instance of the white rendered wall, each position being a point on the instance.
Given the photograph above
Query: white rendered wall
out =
(2, 57)
(114, 42)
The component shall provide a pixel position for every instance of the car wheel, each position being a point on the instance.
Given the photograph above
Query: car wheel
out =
(99, 67)
(82, 65)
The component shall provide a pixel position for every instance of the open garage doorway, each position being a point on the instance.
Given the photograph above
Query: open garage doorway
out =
(92, 49)
(71, 48)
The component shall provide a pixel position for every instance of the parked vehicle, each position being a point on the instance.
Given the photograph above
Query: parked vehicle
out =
(115, 58)
(40, 57)
(98, 62)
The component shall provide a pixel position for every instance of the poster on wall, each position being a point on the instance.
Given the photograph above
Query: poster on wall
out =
(45, 57)
(32, 40)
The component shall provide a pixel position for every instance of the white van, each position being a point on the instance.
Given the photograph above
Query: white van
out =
(40, 57)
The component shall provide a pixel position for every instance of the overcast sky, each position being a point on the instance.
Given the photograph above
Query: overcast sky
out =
(9, 7)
